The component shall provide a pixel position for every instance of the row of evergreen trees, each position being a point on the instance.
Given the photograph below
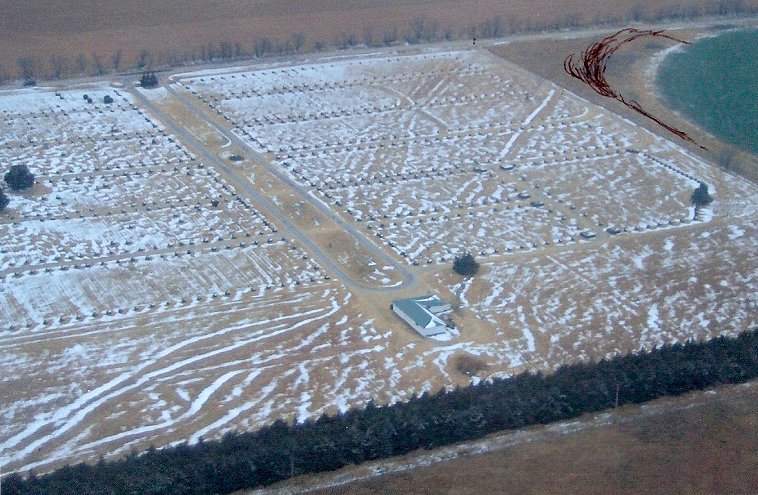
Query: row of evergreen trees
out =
(282, 450)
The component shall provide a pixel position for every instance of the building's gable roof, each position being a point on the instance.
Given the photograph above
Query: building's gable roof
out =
(428, 301)
(417, 309)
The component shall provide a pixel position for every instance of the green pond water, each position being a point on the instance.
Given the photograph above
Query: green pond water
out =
(714, 83)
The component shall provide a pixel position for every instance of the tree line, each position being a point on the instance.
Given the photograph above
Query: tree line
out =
(418, 30)
(282, 450)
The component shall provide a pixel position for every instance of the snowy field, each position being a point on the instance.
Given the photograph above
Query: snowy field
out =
(438, 153)
(145, 301)
(130, 264)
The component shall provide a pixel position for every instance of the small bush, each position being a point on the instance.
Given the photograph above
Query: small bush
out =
(466, 265)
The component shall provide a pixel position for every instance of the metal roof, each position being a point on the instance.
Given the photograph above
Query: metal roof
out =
(417, 309)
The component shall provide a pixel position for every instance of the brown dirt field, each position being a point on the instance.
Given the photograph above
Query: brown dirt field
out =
(696, 444)
(174, 30)
(630, 72)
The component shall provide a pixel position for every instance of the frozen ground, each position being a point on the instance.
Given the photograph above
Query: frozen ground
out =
(143, 301)
(437, 153)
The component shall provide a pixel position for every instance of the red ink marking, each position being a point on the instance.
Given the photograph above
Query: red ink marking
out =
(590, 69)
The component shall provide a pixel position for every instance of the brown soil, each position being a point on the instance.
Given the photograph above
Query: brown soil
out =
(696, 444)
(630, 72)
(173, 30)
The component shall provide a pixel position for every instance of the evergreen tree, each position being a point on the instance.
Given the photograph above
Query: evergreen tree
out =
(148, 80)
(700, 196)
(466, 265)
(19, 177)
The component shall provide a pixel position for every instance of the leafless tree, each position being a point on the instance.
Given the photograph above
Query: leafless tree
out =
(345, 40)
(417, 29)
(116, 60)
(144, 59)
(298, 39)
(368, 36)
(29, 67)
(99, 67)
(81, 63)
(58, 66)
(261, 46)
(390, 35)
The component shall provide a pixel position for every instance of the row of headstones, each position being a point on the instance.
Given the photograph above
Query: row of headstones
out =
(338, 84)
(58, 110)
(77, 139)
(139, 256)
(268, 226)
(170, 203)
(418, 220)
(362, 110)
(672, 168)
(273, 119)
(373, 142)
(149, 169)
(658, 225)
(508, 248)
(166, 305)
(335, 182)
(571, 156)
(395, 140)
(83, 137)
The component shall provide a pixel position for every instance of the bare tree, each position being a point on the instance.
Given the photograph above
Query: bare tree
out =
(261, 46)
(58, 66)
(390, 35)
(29, 67)
(81, 63)
(226, 49)
(368, 36)
(417, 29)
(345, 40)
(116, 60)
(99, 67)
(144, 59)
(298, 39)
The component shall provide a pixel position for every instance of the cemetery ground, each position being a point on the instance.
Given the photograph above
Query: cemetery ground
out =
(221, 251)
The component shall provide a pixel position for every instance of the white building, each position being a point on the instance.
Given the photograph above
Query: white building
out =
(422, 314)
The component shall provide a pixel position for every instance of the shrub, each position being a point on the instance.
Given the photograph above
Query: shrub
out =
(466, 265)
(148, 80)
(19, 177)
(700, 196)
(3, 200)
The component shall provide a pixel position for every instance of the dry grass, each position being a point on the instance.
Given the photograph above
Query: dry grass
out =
(172, 30)
(703, 443)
